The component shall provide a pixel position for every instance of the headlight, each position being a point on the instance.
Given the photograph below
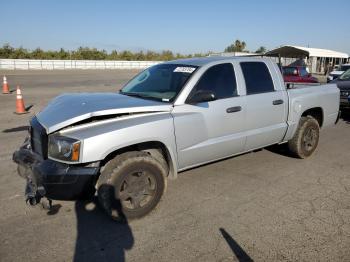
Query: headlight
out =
(64, 148)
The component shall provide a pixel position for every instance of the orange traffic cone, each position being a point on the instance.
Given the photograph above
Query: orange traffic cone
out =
(20, 109)
(5, 87)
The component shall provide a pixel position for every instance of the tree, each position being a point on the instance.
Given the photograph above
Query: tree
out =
(6, 51)
(126, 55)
(38, 54)
(20, 53)
(139, 56)
(166, 55)
(237, 46)
(87, 53)
(62, 54)
(113, 55)
(261, 50)
(150, 55)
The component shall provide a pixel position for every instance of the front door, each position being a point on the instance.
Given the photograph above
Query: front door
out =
(211, 130)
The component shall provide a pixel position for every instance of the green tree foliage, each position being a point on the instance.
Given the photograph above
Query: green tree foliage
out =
(20, 53)
(261, 50)
(6, 51)
(38, 53)
(86, 53)
(237, 46)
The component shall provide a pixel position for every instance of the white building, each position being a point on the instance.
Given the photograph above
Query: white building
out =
(315, 58)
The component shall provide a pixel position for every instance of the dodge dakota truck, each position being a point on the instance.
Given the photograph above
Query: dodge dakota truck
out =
(176, 115)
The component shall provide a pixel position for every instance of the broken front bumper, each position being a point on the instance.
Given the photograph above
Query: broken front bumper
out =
(54, 180)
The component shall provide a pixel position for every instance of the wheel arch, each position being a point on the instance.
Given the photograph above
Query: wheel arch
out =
(151, 147)
(315, 112)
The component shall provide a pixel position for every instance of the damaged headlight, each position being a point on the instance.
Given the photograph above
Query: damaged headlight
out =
(64, 148)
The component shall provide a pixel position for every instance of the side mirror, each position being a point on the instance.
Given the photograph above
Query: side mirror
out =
(201, 96)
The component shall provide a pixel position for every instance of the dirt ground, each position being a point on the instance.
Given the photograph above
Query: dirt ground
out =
(262, 206)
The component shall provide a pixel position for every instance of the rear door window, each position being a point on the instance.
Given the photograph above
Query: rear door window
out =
(257, 78)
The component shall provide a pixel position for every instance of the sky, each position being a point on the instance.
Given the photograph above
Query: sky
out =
(177, 25)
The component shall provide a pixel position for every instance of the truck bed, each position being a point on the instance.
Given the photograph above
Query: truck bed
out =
(305, 96)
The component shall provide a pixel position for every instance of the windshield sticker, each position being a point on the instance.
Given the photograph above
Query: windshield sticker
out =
(183, 69)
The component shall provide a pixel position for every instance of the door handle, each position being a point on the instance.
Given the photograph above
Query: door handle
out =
(278, 102)
(233, 109)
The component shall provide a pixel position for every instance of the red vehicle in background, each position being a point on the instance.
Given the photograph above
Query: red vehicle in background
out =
(298, 74)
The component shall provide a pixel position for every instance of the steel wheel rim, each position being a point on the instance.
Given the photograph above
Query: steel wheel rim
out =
(137, 190)
(309, 139)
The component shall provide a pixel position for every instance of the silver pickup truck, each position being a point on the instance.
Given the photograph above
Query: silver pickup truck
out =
(170, 117)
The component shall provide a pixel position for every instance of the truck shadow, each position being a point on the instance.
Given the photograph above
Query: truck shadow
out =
(237, 250)
(16, 129)
(280, 149)
(99, 238)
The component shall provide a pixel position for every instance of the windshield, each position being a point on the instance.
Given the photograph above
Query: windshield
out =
(303, 71)
(345, 75)
(290, 71)
(162, 82)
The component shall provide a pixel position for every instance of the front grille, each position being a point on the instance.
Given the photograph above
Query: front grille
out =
(38, 138)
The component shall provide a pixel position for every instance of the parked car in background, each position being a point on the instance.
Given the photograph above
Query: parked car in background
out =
(343, 83)
(339, 71)
(297, 74)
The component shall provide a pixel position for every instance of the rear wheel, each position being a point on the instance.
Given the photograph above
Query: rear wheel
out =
(305, 139)
(131, 185)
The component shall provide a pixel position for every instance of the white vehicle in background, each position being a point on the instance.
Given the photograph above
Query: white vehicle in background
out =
(337, 72)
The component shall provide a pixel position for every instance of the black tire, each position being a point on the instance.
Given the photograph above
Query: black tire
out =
(131, 185)
(306, 137)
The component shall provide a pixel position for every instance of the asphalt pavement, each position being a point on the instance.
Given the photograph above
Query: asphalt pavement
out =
(261, 206)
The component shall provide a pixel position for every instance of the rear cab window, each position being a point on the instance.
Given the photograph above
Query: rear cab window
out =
(257, 78)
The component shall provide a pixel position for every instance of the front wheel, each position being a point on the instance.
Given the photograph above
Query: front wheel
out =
(306, 137)
(131, 185)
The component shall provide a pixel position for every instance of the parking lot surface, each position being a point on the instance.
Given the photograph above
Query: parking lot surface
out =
(261, 206)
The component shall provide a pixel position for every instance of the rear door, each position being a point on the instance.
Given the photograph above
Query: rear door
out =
(211, 130)
(267, 105)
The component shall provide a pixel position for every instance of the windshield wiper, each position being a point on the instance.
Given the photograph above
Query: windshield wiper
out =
(140, 95)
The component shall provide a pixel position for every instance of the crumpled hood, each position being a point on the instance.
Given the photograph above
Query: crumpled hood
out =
(68, 109)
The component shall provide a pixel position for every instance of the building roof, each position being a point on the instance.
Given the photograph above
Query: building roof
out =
(300, 51)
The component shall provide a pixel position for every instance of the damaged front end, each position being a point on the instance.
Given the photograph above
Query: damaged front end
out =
(49, 178)
(52, 171)
(27, 160)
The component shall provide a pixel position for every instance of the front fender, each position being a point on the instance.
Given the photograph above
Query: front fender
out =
(102, 138)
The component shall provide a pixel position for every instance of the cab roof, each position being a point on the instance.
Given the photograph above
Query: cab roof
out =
(201, 61)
